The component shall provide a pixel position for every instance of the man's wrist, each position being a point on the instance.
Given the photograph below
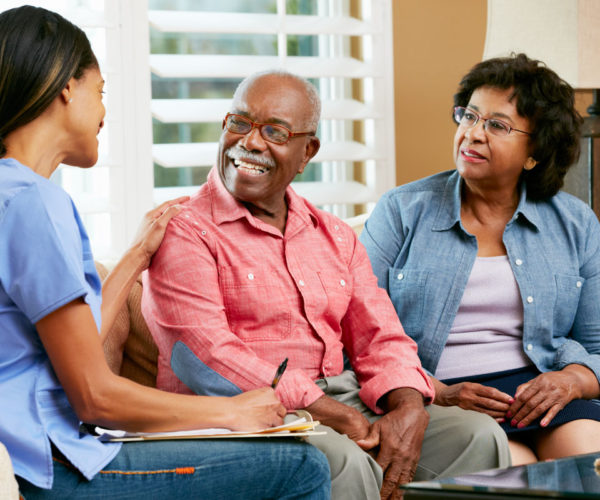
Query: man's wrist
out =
(402, 397)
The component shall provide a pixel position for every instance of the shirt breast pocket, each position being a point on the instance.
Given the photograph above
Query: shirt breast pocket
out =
(568, 291)
(256, 303)
(407, 289)
(337, 286)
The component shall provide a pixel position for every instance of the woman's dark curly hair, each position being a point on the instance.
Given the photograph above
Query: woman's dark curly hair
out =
(549, 104)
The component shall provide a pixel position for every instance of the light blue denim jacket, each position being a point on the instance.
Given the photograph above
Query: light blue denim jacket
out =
(422, 255)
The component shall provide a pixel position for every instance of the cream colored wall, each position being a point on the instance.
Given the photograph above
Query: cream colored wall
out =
(435, 43)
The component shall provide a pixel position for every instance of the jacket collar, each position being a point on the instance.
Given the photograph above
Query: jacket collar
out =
(448, 214)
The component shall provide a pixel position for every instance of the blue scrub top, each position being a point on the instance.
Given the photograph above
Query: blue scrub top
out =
(45, 263)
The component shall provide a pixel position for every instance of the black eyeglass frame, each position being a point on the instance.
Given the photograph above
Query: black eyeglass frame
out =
(484, 120)
(260, 129)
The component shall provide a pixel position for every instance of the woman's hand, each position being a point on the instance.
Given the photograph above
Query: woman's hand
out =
(473, 396)
(550, 392)
(153, 226)
(257, 409)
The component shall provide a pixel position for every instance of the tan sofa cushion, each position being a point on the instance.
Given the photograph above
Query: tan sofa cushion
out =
(129, 349)
(140, 357)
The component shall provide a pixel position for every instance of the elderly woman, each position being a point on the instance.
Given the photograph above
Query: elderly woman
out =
(494, 272)
(54, 317)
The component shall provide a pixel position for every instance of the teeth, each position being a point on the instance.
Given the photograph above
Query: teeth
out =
(250, 167)
(471, 155)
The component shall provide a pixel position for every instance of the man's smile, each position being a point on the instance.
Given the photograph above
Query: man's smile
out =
(249, 163)
(250, 168)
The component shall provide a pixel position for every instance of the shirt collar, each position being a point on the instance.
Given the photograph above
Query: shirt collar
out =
(449, 211)
(225, 208)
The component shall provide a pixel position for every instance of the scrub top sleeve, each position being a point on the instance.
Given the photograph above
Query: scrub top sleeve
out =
(36, 271)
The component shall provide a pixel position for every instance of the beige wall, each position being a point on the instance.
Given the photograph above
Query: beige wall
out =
(435, 43)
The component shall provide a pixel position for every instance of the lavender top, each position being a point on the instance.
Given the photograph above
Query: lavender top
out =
(487, 333)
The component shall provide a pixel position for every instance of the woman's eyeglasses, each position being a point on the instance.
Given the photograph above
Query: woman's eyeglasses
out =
(277, 134)
(469, 118)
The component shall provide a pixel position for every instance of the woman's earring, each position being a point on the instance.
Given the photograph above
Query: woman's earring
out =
(529, 163)
(71, 99)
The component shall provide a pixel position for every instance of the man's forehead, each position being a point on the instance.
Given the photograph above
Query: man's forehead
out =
(275, 86)
(276, 98)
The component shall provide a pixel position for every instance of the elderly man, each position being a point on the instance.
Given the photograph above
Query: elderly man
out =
(250, 273)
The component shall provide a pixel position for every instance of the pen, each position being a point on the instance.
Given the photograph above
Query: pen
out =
(279, 373)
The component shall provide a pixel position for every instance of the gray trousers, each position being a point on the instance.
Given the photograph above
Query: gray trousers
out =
(456, 442)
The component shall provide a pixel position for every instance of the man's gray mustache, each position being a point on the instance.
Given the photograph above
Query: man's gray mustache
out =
(237, 153)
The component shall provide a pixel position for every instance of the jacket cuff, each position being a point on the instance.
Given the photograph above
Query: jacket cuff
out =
(573, 353)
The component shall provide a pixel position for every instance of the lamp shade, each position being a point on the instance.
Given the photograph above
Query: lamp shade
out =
(564, 34)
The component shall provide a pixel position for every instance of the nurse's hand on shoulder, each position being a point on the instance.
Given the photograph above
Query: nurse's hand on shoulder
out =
(473, 396)
(153, 226)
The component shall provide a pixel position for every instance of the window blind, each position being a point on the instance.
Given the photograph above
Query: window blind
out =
(356, 162)
(158, 144)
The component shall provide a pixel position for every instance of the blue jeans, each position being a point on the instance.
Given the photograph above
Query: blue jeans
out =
(271, 468)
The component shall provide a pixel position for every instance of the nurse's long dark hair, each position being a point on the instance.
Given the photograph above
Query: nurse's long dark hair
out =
(40, 51)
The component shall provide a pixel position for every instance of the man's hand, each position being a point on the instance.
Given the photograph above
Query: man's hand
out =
(473, 396)
(340, 417)
(399, 435)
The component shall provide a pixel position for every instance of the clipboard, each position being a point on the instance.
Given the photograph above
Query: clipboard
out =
(302, 427)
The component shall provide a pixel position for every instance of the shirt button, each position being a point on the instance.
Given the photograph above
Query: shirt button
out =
(529, 347)
(301, 283)
(578, 284)
(530, 299)
(336, 227)
(340, 239)
(400, 276)
(203, 233)
(250, 276)
(343, 282)
(518, 262)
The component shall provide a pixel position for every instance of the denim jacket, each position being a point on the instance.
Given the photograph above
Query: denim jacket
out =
(423, 256)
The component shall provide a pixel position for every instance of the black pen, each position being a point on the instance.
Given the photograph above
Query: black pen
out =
(279, 373)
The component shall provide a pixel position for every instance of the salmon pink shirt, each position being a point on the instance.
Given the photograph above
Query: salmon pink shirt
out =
(239, 296)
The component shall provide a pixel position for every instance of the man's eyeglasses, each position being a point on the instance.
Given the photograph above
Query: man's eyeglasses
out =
(469, 118)
(271, 132)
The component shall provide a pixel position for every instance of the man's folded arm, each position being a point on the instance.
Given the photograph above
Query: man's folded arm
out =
(382, 355)
(184, 309)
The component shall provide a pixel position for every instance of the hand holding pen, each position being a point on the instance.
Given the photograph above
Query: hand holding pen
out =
(279, 373)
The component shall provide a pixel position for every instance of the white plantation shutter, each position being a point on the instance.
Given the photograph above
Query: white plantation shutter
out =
(138, 167)
(339, 184)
